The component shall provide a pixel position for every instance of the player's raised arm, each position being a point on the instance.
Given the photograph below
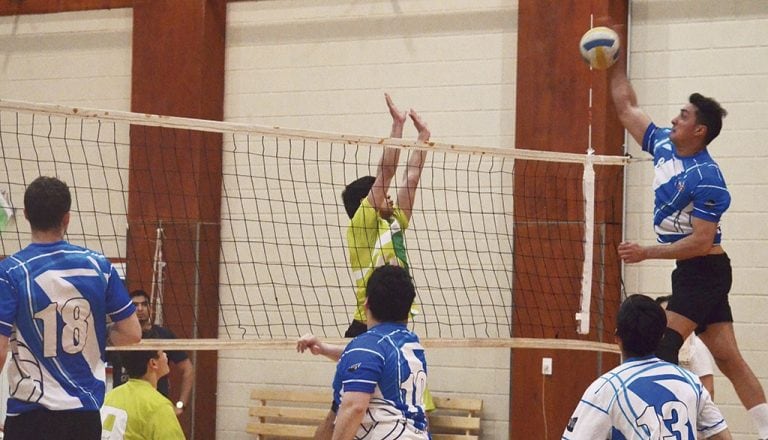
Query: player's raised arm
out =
(406, 195)
(631, 116)
(388, 164)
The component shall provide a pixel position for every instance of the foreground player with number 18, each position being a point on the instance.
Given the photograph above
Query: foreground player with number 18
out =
(645, 397)
(381, 375)
(54, 301)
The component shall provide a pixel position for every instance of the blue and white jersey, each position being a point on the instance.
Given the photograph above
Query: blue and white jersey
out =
(54, 303)
(645, 398)
(685, 187)
(387, 362)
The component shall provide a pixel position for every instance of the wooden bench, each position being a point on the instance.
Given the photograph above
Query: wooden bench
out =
(280, 413)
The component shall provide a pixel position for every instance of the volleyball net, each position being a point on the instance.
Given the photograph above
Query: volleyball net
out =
(238, 232)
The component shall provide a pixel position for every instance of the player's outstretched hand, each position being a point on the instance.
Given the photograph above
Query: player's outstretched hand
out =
(631, 252)
(420, 125)
(311, 342)
(398, 117)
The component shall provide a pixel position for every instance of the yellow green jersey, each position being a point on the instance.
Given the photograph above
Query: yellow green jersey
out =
(135, 410)
(373, 242)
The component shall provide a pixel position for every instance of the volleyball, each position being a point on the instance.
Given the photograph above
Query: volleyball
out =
(600, 47)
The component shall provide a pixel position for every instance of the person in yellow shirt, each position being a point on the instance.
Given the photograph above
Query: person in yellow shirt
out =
(136, 410)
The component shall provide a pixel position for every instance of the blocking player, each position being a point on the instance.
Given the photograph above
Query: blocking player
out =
(381, 375)
(376, 228)
(54, 301)
(690, 198)
(645, 397)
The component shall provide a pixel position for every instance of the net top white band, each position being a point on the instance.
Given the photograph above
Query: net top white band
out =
(251, 129)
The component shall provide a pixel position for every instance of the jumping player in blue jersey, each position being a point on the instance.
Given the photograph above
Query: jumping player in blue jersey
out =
(381, 375)
(55, 298)
(645, 397)
(690, 198)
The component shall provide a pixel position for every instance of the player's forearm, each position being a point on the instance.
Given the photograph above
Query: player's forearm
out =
(187, 380)
(348, 420)
(331, 351)
(722, 435)
(688, 247)
(388, 163)
(3, 350)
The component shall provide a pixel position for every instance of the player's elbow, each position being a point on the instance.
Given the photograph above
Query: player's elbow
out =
(125, 332)
(358, 407)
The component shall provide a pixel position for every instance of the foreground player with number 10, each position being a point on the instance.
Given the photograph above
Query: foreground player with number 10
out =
(690, 197)
(54, 301)
(381, 375)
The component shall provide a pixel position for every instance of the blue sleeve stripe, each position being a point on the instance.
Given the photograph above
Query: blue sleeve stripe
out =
(647, 137)
(351, 381)
(121, 309)
(585, 402)
(720, 422)
(5, 328)
(367, 351)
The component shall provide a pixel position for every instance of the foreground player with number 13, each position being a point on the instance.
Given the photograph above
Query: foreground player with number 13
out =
(54, 301)
(645, 397)
(690, 198)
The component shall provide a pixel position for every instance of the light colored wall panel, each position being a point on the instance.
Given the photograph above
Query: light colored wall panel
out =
(75, 58)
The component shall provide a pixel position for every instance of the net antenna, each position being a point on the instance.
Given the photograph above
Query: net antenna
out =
(588, 187)
(158, 276)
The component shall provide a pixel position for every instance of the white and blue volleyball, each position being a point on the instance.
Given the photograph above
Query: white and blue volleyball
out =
(600, 47)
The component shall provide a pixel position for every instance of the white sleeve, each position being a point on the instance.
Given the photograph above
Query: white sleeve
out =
(709, 421)
(701, 359)
(590, 420)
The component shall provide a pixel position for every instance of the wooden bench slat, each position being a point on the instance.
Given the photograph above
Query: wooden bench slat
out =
(281, 430)
(292, 412)
(292, 396)
(453, 422)
(296, 414)
(458, 403)
(454, 437)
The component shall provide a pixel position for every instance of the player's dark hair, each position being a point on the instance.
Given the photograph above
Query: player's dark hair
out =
(46, 201)
(640, 324)
(139, 292)
(354, 193)
(390, 293)
(135, 362)
(709, 113)
(663, 299)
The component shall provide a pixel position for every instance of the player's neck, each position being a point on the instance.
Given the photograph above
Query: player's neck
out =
(689, 149)
(44, 237)
(151, 377)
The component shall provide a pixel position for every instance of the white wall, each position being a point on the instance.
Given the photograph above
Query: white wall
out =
(719, 49)
(75, 59)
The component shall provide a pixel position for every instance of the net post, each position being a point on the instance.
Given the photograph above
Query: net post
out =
(588, 185)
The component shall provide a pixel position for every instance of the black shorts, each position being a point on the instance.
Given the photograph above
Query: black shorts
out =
(356, 329)
(54, 425)
(700, 287)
